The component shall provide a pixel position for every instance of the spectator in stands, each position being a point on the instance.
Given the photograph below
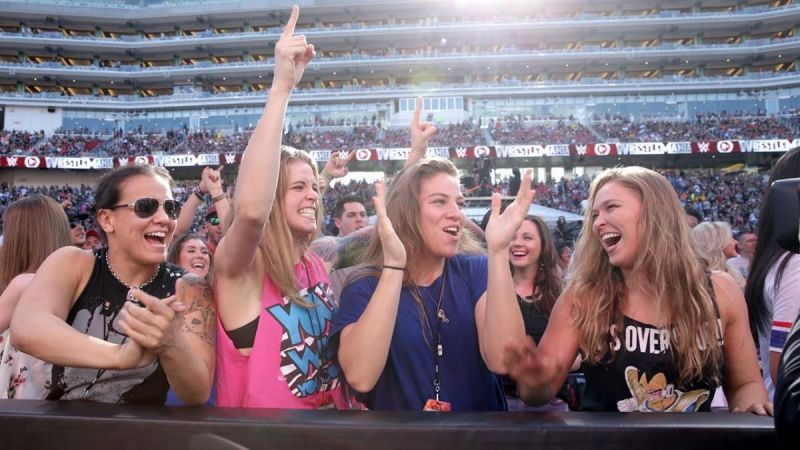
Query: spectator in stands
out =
(93, 240)
(350, 215)
(773, 287)
(210, 184)
(190, 253)
(635, 269)
(382, 312)
(36, 226)
(564, 250)
(99, 318)
(746, 246)
(76, 230)
(562, 232)
(693, 217)
(714, 244)
(537, 283)
(273, 292)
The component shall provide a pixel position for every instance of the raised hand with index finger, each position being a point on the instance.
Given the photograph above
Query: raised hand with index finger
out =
(292, 55)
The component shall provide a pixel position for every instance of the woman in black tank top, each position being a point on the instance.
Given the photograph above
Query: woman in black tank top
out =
(537, 283)
(639, 309)
(123, 298)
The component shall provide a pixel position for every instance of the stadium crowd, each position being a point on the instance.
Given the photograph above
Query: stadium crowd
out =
(340, 135)
(511, 323)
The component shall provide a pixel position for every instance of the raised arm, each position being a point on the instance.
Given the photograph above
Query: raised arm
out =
(335, 167)
(211, 184)
(258, 171)
(421, 133)
(497, 315)
(372, 333)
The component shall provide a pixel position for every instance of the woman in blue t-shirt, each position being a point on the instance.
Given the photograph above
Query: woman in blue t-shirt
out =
(422, 325)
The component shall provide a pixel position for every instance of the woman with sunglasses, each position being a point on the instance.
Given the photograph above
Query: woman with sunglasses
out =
(273, 293)
(119, 325)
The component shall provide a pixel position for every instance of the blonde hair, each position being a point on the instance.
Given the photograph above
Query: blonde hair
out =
(678, 283)
(278, 242)
(35, 227)
(708, 240)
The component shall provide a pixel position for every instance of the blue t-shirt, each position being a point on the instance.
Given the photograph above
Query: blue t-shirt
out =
(407, 379)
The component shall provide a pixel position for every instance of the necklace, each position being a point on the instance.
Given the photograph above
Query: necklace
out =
(140, 286)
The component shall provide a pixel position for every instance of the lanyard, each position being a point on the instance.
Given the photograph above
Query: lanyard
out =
(438, 349)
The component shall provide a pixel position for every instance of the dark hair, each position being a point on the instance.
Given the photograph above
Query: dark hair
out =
(740, 235)
(561, 245)
(174, 253)
(107, 191)
(694, 213)
(338, 210)
(548, 277)
(768, 253)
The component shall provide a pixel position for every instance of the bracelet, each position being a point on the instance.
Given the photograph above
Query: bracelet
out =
(394, 267)
(325, 174)
(199, 194)
(217, 198)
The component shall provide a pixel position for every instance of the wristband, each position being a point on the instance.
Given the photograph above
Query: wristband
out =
(217, 198)
(325, 174)
(394, 267)
(199, 194)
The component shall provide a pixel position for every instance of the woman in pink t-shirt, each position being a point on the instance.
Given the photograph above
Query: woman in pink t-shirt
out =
(275, 304)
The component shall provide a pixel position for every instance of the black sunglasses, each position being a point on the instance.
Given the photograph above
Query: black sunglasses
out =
(146, 207)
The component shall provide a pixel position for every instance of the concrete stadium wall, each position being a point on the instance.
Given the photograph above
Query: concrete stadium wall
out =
(28, 177)
(36, 118)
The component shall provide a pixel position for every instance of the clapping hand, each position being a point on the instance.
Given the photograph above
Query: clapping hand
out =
(394, 252)
(501, 228)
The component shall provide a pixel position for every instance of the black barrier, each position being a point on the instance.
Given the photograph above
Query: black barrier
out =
(77, 425)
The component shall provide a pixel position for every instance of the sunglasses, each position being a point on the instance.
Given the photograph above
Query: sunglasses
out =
(146, 207)
(214, 221)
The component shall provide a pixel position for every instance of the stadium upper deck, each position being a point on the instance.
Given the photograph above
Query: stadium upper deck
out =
(207, 64)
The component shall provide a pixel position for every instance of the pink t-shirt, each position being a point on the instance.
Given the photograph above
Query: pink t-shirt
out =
(292, 365)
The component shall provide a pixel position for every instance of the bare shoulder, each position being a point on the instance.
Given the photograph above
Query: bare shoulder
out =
(75, 257)
(19, 282)
(728, 295)
(68, 263)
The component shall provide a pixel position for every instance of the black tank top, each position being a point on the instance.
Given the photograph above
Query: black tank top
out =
(643, 375)
(95, 313)
(535, 323)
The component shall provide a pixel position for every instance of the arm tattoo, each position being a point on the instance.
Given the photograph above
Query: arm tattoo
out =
(201, 318)
(343, 252)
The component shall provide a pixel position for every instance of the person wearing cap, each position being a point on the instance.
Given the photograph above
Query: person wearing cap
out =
(211, 185)
(212, 227)
(93, 240)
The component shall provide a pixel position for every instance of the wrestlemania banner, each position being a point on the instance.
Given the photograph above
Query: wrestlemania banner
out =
(401, 154)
